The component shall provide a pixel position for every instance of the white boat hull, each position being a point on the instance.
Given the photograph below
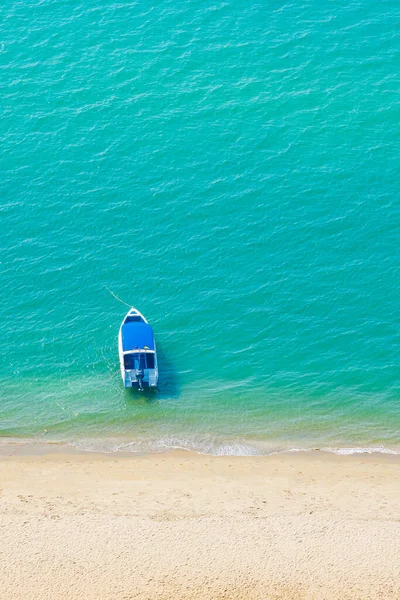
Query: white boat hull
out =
(136, 376)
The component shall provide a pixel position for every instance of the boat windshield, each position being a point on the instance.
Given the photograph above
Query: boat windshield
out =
(139, 360)
(133, 319)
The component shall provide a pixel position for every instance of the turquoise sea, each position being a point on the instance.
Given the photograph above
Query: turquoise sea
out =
(231, 169)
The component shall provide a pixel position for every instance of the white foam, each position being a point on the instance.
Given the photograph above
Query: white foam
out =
(361, 450)
(213, 446)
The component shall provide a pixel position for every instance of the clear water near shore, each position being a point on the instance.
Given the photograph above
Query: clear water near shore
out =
(232, 171)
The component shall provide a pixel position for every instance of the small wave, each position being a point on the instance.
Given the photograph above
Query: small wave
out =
(207, 447)
(367, 450)
(213, 447)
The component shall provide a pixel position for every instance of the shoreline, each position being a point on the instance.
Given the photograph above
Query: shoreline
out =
(11, 446)
(180, 525)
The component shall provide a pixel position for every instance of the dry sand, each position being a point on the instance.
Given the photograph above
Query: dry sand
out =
(182, 526)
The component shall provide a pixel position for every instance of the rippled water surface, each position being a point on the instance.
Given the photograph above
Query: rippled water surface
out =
(232, 170)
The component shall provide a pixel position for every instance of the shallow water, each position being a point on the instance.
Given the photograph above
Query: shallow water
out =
(231, 170)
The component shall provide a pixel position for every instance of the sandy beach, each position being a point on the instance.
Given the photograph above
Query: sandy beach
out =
(184, 526)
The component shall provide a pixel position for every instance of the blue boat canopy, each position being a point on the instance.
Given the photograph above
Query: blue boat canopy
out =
(137, 335)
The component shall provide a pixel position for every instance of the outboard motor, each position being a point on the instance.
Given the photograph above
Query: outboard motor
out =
(139, 378)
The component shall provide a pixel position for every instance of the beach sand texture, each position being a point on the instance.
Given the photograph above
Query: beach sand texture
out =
(184, 526)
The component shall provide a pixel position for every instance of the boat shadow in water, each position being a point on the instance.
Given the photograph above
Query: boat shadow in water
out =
(168, 386)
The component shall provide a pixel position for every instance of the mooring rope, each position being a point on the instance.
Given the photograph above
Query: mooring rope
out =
(108, 379)
(116, 297)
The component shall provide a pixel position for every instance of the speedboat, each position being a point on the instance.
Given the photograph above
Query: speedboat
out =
(137, 352)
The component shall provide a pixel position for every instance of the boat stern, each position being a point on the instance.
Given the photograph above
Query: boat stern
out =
(138, 378)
